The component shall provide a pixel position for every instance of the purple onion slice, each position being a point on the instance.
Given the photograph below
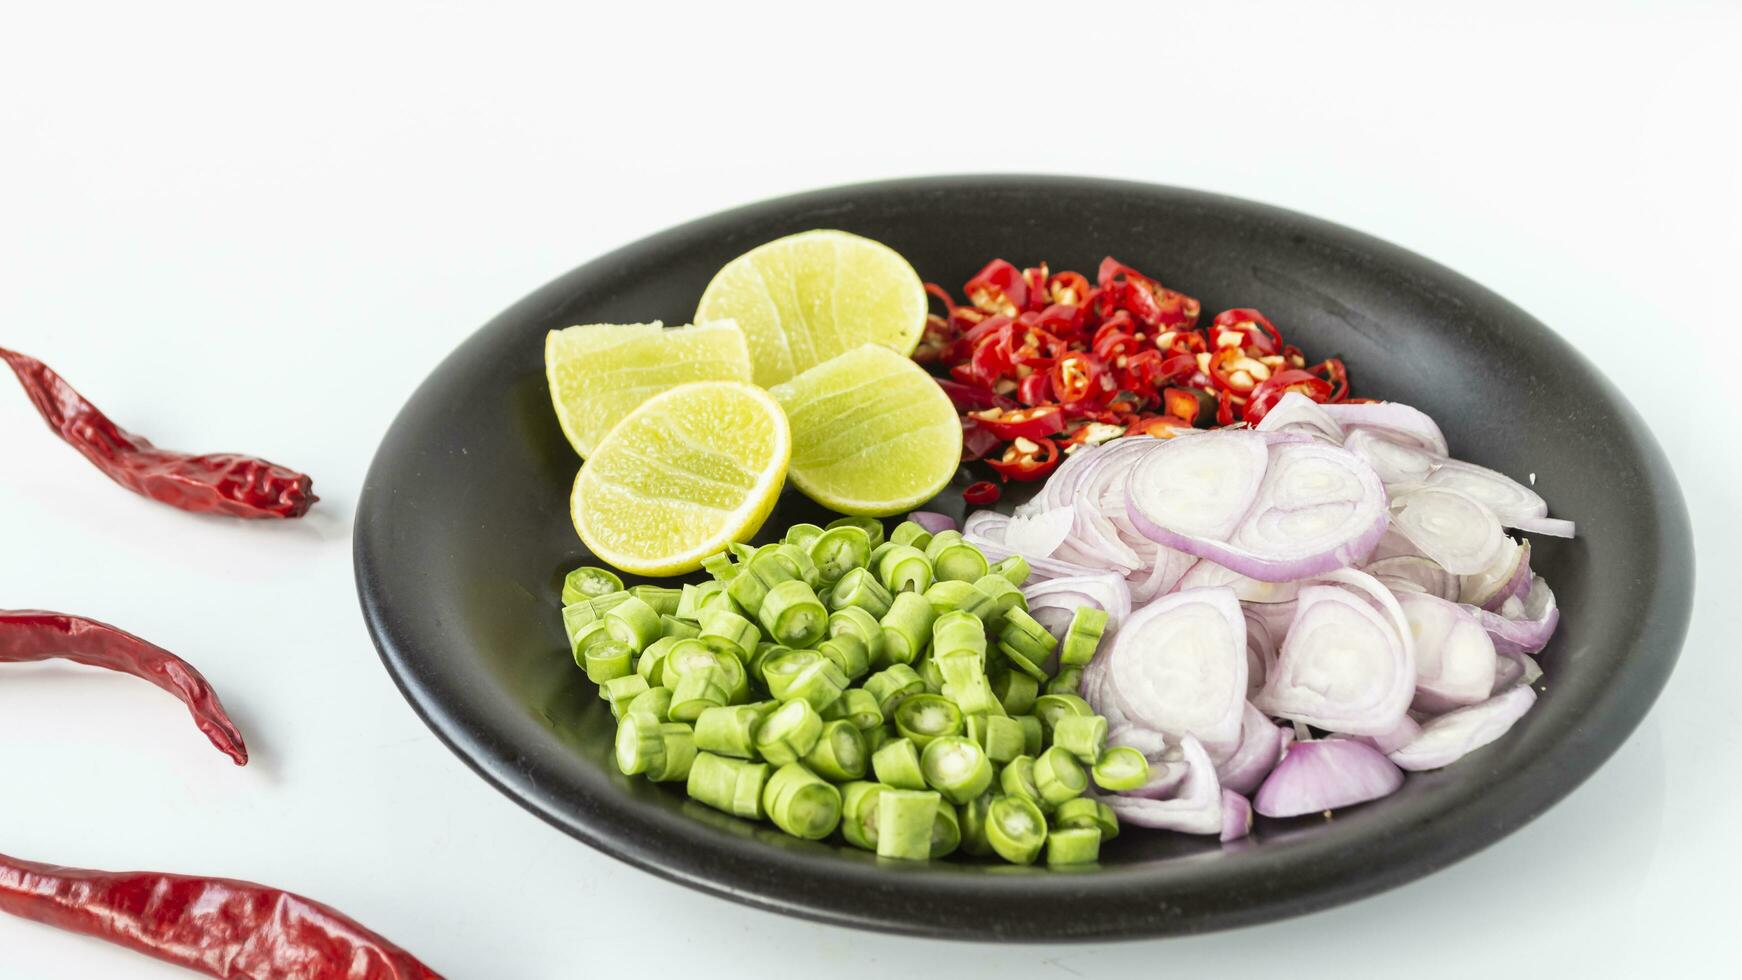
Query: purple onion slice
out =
(1451, 736)
(1396, 421)
(1326, 774)
(1454, 658)
(1236, 813)
(1450, 527)
(1344, 666)
(1261, 743)
(1413, 573)
(1178, 666)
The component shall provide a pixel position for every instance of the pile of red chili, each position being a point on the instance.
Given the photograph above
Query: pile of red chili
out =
(1041, 362)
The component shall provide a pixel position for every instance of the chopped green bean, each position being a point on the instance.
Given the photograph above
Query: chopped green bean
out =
(905, 823)
(620, 691)
(764, 652)
(662, 751)
(859, 813)
(805, 675)
(741, 551)
(872, 527)
(848, 653)
(673, 628)
(955, 560)
(1013, 569)
(1050, 707)
(1107, 819)
(800, 803)
(1000, 736)
(1080, 812)
(633, 623)
(802, 535)
(957, 767)
(792, 616)
(1069, 680)
(696, 691)
(721, 568)
(589, 635)
(728, 632)
(1017, 780)
(923, 717)
(946, 830)
(1084, 736)
(663, 600)
(860, 588)
(788, 733)
(1015, 828)
(715, 597)
(896, 763)
(1120, 768)
(965, 684)
(856, 622)
(973, 822)
(839, 754)
(1059, 776)
(904, 568)
(1026, 643)
(875, 738)
(1004, 596)
(860, 707)
(734, 786)
(928, 671)
(911, 533)
(729, 730)
(893, 684)
(839, 550)
(1033, 734)
(1016, 691)
(958, 634)
(655, 702)
(589, 581)
(748, 591)
(948, 597)
(1073, 845)
(906, 629)
(608, 660)
(1083, 636)
(686, 602)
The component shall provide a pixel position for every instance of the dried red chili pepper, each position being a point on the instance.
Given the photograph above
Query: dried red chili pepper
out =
(217, 926)
(1027, 459)
(1021, 423)
(1270, 392)
(998, 288)
(30, 635)
(982, 494)
(218, 483)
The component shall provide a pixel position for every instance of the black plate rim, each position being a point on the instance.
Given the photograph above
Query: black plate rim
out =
(1317, 877)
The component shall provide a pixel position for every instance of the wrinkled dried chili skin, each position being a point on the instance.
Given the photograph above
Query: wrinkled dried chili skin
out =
(28, 635)
(213, 483)
(220, 927)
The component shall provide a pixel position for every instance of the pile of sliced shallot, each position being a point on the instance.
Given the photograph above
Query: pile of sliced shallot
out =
(1297, 613)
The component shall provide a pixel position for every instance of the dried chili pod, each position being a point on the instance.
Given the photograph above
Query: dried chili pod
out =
(213, 483)
(217, 926)
(29, 635)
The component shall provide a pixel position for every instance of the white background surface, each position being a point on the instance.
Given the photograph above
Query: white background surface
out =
(257, 227)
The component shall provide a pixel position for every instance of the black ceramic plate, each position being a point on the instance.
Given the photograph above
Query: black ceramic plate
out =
(463, 536)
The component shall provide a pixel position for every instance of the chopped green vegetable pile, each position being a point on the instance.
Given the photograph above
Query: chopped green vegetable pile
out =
(895, 692)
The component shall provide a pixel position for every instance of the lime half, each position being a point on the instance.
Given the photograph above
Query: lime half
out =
(872, 433)
(806, 298)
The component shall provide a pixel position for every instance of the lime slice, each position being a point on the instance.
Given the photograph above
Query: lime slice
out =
(600, 372)
(872, 433)
(805, 298)
(684, 474)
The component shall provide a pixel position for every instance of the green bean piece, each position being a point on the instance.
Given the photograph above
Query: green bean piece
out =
(1017, 779)
(686, 602)
(1015, 691)
(965, 684)
(1001, 737)
(893, 684)
(972, 817)
(620, 691)
(1083, 636)
(1004, 596)
(662, 751)
(924, 717)
(839, 550)
(1069, 680)
(589, 581)
(906, 629)
(802, 535)
(877, 553)
(1015, 828)
(729, 730)
(1120, 768)
(861, 625)
(797, 561)
(1059, 776)
(805, 675)
(651, 663)
(663, 600)
(674, 628)
(1013, 569)
(846, 652)
(608, 660)
(904, 568)
(733, 786)
(860, 707)
(800, 803)
(928, 671)
(748, 591)
(955, 560)
(952, 596)
(721, 568)
(1107, 820)
(789, 733)
(906, 821)
(588, 636)
(872, 527)
(683, 656)
(940, 542)
(957, 767)
(911, 533)
(1026, 643)
(1073, 845)
(896, 763)
(1084, 736)
(839, 754)
(728, 632)
(946, 830)
(1080, 812)
(1033, 734)
(860, 588)
(764, 652)
(1050, 707)
(958, 634)
(875, 738)
(696, 692)
(741, 551)
(633, 623)
(655, 702)
(859, 813)
(792, 616)
(715, 598)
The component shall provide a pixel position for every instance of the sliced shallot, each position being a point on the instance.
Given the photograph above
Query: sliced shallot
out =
(1397, 421)
(1236, 813)
(1344, 667)
(1196, 806)
(933, 521)
(1534, 623)
(1261, 744)
(1455, 734)
(1178, 666)
(1450, 527)
(1295, 412)
(1506, 497)
(1396, 464)
(1413, 573)
(1454, 658)
(1326, 774)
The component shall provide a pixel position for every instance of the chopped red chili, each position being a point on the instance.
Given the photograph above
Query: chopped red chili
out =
(998, 288)
(1281, 383)
(1160, 426)
(1027, 459)
(218, 483)
(1077, 380)
(1189, 405)
(1333, 371)
(216, 926)
(982, 494)
(1022, 423)
(1245, 328)
(1035, 389)
(30, 635)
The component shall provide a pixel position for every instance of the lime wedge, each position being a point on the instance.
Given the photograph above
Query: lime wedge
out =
(685, 473)
(600, 372)
(872, 433)
(805, 298)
